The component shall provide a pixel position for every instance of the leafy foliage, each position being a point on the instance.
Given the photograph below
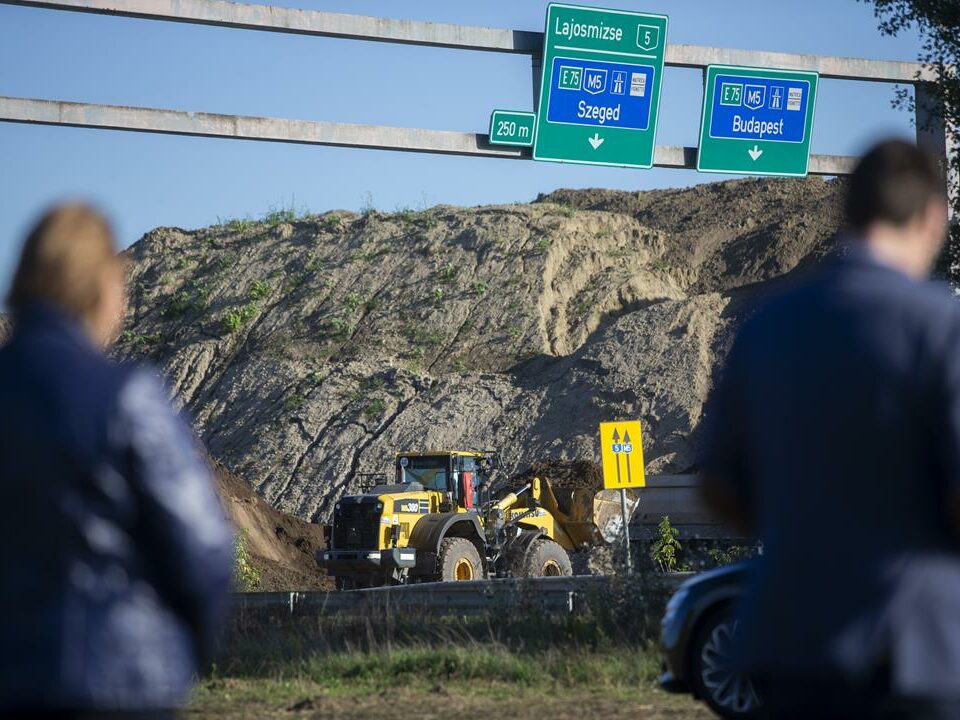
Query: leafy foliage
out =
(732, 554)
(666, 548)
(237, 318)
(939, 24)
(259, 290)
(246, 575)
(374, 409)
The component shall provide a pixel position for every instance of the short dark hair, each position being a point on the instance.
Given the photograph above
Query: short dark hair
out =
(894, 182)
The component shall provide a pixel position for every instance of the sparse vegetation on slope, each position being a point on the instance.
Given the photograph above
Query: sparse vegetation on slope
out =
(517, 327)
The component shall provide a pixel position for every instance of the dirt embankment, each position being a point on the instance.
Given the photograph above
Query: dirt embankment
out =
(281, 546)
(310, 350)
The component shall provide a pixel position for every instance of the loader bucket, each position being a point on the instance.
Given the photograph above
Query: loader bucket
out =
(589, 514)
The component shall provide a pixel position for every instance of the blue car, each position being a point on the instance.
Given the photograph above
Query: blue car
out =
(697, 633)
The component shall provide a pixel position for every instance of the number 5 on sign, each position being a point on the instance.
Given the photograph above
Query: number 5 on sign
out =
(621, 451)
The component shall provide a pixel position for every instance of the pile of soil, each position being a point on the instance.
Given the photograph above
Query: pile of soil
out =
(280, 546)
(565, 474)
(311, 351)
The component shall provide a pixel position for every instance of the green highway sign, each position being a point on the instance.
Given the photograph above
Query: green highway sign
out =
(512, 127)
(600, 92)
(757, 121)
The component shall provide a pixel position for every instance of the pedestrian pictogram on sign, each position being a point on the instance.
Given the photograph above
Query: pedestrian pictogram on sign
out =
(621, 451)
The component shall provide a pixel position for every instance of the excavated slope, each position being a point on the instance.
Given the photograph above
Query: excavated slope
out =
(309, 351)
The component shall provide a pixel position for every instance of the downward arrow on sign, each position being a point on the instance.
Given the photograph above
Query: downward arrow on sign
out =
(755, 152)
(595, 141)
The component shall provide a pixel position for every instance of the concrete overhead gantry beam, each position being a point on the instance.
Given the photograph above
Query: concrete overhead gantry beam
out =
(326, 24)
(311, 132)
(269, 18)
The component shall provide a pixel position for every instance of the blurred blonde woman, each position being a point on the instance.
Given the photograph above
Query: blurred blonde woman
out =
(115, 557)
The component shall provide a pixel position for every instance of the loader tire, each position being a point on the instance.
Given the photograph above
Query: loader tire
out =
(458, 559)
(546, 558)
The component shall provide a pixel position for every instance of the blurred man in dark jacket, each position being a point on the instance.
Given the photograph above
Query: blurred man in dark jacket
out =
(115, 557)
(835, 437)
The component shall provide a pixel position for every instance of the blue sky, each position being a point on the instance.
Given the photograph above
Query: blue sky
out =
(144, 181)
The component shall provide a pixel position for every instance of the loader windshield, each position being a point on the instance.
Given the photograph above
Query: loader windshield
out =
(429, 471)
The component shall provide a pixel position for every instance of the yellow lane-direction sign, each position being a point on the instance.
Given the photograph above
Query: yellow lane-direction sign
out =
(621, 451)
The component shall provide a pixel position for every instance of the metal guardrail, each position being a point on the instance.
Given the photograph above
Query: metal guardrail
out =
(554, 596)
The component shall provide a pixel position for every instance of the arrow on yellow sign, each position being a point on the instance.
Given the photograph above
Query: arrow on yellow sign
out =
(621, 452)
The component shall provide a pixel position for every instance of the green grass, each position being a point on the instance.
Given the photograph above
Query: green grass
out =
(488, 662)
(294, 402)
(341, 328)
(352, 301)
(542, 245)
(239, 225)
(374, 409)
(278, 216)
(259, 290)
(141, 341)
(447, 273)
(332, 223)
(235, 319)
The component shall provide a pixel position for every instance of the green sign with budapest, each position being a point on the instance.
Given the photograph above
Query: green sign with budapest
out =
(757, 121)
(600, 92)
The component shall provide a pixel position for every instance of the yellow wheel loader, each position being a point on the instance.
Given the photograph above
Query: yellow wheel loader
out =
(443, 520)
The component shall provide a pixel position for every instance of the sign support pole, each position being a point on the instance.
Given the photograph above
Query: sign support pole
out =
(626, 529)
(621, 454)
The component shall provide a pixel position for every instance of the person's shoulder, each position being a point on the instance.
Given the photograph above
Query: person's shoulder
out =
(141, 388)
(933, 310)
(771, 307)
(934, 298)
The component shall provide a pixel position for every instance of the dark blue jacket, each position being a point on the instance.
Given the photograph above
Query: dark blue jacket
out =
(838, 424)
(115, 557)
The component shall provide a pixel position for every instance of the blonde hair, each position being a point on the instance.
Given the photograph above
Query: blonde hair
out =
(64, 259)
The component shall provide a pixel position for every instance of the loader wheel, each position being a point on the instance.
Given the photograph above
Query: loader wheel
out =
(459, 560)
(546, 558)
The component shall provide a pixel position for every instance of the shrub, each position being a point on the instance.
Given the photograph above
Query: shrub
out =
(332, 223)
(278, 216)
(259, 290)
(447, 273)
(374, 409)
(237, 318)
(352, 301)
(666, 548)
(178, 304)
(366, 204)
(246, 575)
(240, 225)
(342, 328)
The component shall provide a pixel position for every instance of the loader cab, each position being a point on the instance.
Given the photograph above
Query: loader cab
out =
(461, 475)
(431, 471)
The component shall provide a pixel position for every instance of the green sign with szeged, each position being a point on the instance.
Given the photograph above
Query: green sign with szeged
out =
(512, 127)
(757, 121)
(600, 92)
